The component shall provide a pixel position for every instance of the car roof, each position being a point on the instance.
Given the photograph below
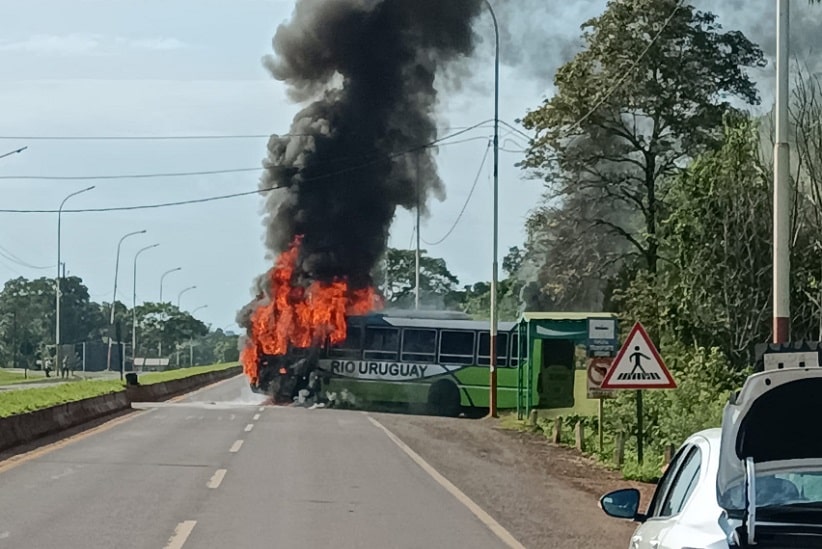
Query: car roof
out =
(712, 435)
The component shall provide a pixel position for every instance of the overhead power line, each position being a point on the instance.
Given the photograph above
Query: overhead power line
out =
(10, 256)
(467, 200)
(129, 176)
(237, 194)
(191, 137)
(439, 142)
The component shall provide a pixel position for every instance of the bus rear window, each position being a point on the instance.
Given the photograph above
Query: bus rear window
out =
(456, 347)
(419, 345)
(381, 343)
(484, 349)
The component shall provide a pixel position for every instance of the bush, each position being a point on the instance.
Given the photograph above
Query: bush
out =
(705, 380)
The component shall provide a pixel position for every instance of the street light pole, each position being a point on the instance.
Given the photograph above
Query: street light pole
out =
(114, 295)
(492, 367)
(781, 190)
(168, 272)
(57, 286)
(191, 340)
(134, 305)
(180, 295)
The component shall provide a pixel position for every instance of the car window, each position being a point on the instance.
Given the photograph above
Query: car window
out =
(683, 484)
(665, 482)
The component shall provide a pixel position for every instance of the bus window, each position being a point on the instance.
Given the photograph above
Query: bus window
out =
(456, 347)
(419, 346)
(484, 351)
(381, 343)
(351, 347)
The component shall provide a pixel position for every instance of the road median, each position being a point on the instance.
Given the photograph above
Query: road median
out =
(32, 413)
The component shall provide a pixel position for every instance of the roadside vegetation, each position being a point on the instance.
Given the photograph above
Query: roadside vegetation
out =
(657, 206)
(30, 399)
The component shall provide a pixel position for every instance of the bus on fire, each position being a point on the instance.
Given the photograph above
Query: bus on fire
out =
(434, 360)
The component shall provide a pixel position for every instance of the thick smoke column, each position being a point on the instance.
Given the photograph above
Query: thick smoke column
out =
(369, 66)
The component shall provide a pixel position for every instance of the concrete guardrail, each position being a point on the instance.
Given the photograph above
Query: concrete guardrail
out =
(22, 428)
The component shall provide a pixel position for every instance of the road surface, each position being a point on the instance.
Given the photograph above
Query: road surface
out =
(216, 470)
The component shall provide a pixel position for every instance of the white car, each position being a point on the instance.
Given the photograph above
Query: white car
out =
(756, 482)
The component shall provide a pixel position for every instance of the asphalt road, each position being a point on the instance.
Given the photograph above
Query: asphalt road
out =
(216, 470)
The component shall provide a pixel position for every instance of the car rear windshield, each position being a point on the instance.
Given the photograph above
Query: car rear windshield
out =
(784, 488)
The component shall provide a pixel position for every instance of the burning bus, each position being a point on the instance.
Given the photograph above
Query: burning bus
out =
(438, 362)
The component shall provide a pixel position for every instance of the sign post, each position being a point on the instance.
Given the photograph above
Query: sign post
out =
(597, 370)
(638, 366)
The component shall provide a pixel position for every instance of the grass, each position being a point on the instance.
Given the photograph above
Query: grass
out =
(13, 378)
(649, 471)
(28, 400)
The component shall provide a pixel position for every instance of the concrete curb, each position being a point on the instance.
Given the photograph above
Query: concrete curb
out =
(22, 428)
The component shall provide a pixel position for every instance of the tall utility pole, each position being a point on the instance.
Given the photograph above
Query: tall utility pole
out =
(417, 283)
(134, 306)
(781, 190)
(114, 297)
(492, 367)
(57, 285)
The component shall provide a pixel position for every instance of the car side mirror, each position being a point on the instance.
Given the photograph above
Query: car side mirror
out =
(622, 504)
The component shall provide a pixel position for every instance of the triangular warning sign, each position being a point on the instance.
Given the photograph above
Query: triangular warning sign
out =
(638, 365)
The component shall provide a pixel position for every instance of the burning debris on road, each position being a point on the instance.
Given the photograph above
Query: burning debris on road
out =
(357, 151)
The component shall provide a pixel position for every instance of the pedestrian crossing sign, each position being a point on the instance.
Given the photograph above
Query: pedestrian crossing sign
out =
(638, 365)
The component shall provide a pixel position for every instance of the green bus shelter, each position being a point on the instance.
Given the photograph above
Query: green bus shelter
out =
(547, 352)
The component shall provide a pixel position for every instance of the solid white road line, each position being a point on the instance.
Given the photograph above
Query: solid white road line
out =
(486, 519)
(256, 417)
(249, 427)
(180, 535)
(216, 479)
(236, 447)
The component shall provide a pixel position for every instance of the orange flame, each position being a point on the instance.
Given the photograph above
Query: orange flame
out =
(301, 316)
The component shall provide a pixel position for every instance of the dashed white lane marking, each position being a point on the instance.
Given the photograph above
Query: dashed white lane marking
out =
(256, 417)
(4, 535)
(180, 535)
(249, 427)
(236, 447)
(478, 512)
(261, 408)
(216, 479)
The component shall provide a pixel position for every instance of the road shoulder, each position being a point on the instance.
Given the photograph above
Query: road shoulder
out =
(545, 495)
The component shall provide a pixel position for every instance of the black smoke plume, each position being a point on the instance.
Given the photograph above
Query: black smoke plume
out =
(355, 153)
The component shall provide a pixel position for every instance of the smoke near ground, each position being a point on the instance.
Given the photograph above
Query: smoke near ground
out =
(367, 69)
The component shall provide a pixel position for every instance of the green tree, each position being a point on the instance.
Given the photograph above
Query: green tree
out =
(649, 91)
(164, 324)
(27, 310)
(398, 278)
(718, 239)
(216, 346)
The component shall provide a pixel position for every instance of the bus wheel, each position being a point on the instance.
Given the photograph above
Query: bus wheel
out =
(444, 399)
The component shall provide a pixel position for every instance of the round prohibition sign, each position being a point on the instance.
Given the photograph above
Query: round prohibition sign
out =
(598, 368)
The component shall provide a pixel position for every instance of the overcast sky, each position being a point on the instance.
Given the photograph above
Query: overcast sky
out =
(121, 67)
